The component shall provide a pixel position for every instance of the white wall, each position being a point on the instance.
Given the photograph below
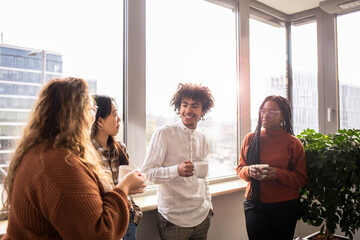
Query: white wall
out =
(228, 222)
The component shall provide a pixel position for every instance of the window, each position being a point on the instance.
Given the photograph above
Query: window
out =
(85, 40)
(267, 61)
(304, 76)
(196, 43)
(348, 35)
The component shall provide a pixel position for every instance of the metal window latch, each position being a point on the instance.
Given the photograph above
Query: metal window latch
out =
(330, 114)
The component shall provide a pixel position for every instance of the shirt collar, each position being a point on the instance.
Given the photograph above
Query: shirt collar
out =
(96, 144)
(185, 128)
(100, 148)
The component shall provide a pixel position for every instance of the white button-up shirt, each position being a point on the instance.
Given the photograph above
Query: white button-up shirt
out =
(183, 201)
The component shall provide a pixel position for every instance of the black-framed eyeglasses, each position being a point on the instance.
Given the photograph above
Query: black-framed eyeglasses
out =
(270, 112)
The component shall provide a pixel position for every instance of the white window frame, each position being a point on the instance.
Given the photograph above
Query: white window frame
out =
(135, 69)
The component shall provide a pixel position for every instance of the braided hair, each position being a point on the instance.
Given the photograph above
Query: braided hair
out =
(253, 151)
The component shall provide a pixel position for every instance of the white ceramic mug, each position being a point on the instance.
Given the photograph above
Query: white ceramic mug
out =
(262, 168)
(201, 169)
(124, 169)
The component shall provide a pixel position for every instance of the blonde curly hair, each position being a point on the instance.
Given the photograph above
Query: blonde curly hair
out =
(61, 118)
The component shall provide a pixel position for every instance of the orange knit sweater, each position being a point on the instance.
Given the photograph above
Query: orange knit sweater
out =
(284, 152)
(59, 197)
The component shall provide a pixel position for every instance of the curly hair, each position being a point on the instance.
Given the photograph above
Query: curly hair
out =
(195, 92)
(61, 118)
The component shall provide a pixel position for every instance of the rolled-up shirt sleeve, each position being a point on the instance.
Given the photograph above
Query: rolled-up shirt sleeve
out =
(153, 166)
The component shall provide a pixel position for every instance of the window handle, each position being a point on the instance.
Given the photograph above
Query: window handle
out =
(330, 114)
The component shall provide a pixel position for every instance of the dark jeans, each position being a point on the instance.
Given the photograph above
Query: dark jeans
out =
(131, 232)
(271, 221)
(170, 231)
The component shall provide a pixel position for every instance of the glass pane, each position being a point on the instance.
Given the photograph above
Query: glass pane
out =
(193, 46)
(348, 33)
(267, 64)
(72, 38)
(304, 67)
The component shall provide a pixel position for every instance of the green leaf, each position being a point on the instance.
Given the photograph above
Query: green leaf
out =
(332, 196)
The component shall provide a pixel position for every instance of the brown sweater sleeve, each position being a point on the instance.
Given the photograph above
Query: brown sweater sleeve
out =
(96, 215)
(57, 196)
(93, 216)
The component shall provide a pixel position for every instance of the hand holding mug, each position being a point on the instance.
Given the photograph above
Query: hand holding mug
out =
(270, 174)
(186, 169)
(132, 182)
(259, 171)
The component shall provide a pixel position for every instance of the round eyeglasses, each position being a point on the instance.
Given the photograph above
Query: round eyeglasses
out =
(269, 112)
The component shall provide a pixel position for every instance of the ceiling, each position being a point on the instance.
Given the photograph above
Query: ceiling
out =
(291, 6)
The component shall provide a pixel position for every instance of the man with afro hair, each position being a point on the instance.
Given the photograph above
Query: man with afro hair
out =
(184, 201)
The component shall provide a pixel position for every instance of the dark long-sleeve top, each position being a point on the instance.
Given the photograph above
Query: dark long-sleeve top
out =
(284, 152)
(56, 196)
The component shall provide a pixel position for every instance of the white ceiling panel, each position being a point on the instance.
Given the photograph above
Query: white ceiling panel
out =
(291, 6)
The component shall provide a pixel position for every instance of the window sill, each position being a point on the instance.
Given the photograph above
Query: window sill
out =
(148, 200)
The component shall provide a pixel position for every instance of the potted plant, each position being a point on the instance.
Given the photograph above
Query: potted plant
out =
(332, 197)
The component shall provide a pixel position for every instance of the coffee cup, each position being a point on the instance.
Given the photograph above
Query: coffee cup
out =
(262, 168)
(125, 169)
(201, 169)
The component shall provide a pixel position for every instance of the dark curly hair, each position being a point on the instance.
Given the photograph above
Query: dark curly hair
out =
(195, 92)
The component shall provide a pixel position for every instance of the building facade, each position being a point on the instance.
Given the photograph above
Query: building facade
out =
(349, 106)
(21, 78)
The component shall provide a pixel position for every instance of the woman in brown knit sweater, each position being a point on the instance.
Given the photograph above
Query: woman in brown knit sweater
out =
(56, 187)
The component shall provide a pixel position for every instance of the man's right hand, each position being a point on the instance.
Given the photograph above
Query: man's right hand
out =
(186, 168)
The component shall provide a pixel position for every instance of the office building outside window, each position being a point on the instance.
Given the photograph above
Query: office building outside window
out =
(348, 33)
(304, 76)
(267, 64)
(198, 48)
(20, 83)
(73, 44)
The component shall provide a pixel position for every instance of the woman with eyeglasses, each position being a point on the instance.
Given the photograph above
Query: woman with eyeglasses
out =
(272, 193)
(56, 187)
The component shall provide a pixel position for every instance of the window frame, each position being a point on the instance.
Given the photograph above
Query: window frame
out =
(135, 68)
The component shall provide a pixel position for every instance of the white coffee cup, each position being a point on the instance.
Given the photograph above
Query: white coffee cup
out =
(260, 166)
(201, 169)
(262, 169)
(124, 169)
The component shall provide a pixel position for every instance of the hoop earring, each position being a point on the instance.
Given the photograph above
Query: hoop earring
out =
(283, 124)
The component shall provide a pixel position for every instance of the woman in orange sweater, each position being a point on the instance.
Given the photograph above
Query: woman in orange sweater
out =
(56, 187)
(272, 193)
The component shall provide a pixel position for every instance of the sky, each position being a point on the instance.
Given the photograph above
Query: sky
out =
(184, 44)
(86, 33)
(189, 48)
